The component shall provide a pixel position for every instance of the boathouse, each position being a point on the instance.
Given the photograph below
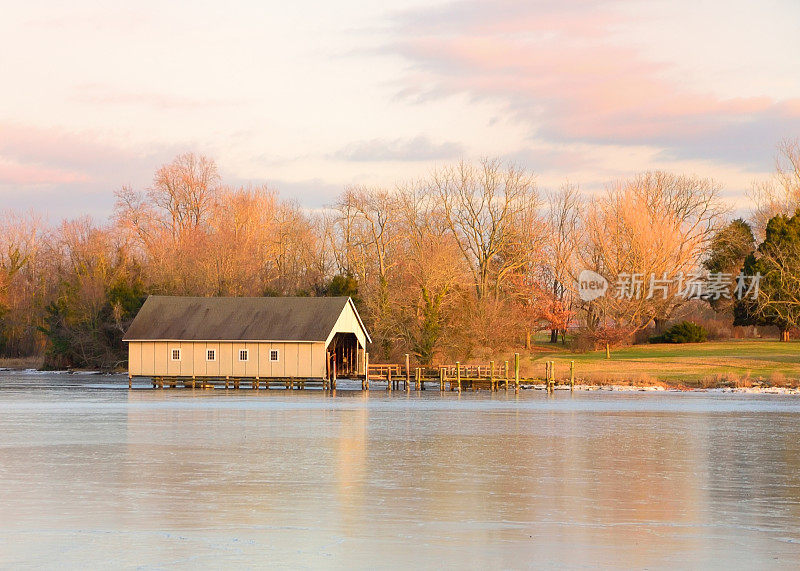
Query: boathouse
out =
(246, 337)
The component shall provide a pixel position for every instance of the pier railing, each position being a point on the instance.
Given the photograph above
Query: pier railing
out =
(491, 376)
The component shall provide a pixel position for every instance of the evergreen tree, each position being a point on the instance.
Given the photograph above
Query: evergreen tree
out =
(777, 260)
(728, 250)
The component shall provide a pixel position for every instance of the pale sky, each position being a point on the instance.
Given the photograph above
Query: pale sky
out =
(310, 97)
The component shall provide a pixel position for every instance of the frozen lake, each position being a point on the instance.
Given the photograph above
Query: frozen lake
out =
(93, 474)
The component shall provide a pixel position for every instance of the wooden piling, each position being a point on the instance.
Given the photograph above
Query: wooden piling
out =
(130, 382)
(572, 375)
(366, 370)
(408, 374)
(506, 374)
(516, 372)
(458, 375)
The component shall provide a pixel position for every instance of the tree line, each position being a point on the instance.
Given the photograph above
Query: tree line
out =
(473, 258)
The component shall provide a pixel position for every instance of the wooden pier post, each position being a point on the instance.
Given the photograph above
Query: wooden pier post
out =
(388, 378)
(408, 374)
(130, 382)
(458, 374)
(491, 376)
(572, 375)
(516, 372)
(418, 385)
(441, 378)
(366, 370)
(506, 374)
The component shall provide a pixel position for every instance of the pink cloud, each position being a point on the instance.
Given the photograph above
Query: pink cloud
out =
(54, 169)
(75, 155)
(55, 147)
(31, 175)
(561, 69)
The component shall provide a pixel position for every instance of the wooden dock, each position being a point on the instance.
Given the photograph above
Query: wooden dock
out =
(393, 377)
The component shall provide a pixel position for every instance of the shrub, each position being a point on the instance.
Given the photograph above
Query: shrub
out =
(593, 339)
(684, 332)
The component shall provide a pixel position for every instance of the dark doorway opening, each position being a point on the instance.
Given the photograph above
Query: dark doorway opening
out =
(343, 350)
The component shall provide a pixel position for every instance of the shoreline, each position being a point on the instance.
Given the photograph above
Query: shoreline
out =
(579, 386)
(674, 389)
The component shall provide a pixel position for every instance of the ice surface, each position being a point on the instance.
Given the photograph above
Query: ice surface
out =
(96, 475)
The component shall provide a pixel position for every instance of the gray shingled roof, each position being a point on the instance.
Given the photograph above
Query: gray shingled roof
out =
(236, 318)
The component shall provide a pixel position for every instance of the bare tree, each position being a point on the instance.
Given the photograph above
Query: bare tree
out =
(24, 281)
(491, 212)
(781, 193)
(564, 229)
(430, 277)
(652, 227)
(185, 190)
(370, 226)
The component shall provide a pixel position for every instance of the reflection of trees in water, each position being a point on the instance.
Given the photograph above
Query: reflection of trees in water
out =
(618, 487)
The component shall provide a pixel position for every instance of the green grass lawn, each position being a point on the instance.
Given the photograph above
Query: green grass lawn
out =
(714, 363)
